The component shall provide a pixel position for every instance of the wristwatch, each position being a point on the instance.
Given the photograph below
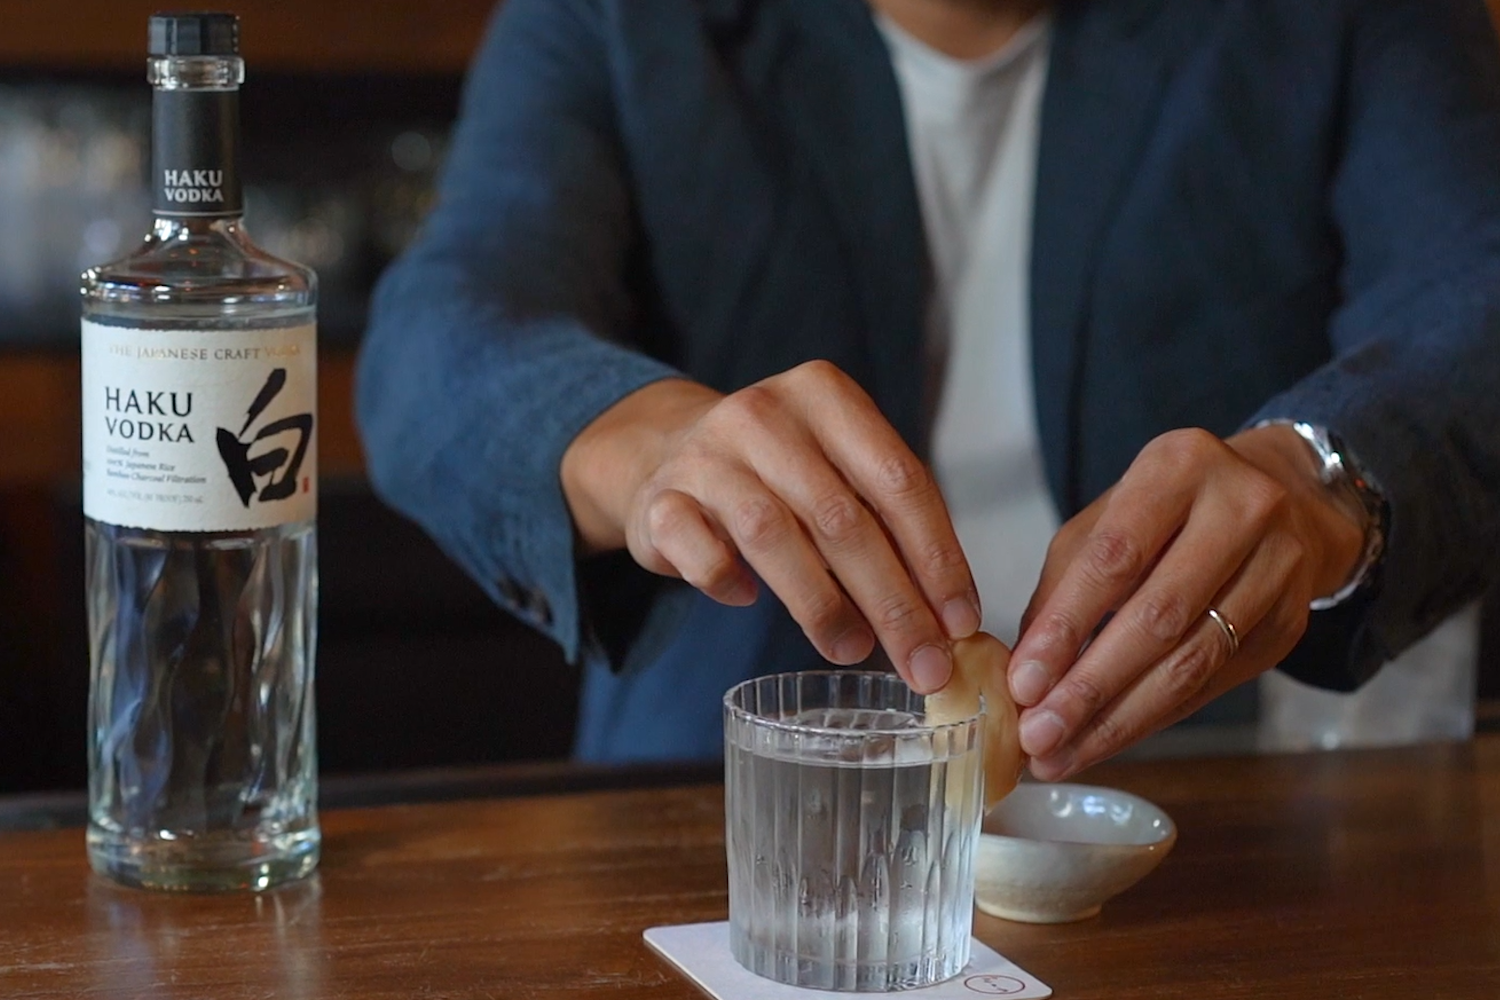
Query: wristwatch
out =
(1340, 471)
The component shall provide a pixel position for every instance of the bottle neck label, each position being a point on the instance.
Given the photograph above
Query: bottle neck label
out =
(195, 170)
(199, 430)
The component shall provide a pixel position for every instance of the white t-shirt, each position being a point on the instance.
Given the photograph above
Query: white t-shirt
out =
(973, 128)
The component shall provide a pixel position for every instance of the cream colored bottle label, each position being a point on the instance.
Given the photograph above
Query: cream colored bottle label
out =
(199, 430)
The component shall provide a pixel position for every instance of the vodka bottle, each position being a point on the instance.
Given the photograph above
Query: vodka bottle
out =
(200, 491)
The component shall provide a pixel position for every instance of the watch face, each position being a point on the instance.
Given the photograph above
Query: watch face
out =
(1330, 461)
(1342, 472)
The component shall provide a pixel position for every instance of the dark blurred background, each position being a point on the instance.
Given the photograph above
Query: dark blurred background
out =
(345, 116)
(346, 110)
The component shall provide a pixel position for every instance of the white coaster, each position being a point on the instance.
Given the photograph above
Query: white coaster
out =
(701, 952)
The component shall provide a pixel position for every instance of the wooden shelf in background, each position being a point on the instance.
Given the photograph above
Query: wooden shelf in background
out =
(39, 407)
(334, 36)
(338, 36)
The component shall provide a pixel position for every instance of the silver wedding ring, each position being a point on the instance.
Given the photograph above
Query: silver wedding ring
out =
(1228, 629)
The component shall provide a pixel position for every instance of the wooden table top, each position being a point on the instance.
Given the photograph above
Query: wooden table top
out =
(1360, 874)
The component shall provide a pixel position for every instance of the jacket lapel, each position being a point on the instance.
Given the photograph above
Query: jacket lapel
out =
(841, 101)
(1108, 65)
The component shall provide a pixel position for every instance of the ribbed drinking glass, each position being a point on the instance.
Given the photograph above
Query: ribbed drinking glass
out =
(851, 827)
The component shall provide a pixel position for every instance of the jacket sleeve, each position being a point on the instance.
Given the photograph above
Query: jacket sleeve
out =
(1414, 386)
(504, 328)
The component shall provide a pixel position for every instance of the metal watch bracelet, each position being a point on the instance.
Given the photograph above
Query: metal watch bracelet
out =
(1339, 470)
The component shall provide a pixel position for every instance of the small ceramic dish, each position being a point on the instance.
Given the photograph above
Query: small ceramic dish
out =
(1050, 854)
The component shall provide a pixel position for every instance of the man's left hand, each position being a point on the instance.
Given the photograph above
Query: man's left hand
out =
(1118, 641)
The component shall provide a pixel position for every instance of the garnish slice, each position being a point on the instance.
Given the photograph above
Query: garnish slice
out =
(980, 665)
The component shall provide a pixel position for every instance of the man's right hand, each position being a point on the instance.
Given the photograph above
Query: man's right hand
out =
(798, 478)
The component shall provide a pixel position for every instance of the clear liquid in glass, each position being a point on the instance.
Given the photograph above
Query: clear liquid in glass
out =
(851, 833)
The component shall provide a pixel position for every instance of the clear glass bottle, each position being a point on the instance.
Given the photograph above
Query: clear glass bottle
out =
(200, 473)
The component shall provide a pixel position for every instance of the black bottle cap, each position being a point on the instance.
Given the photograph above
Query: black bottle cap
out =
(193, 33)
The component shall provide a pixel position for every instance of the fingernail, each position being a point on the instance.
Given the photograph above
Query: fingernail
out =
(1041, 732)
(930, 668)
(1029, 682)
(960, 618)
(1058, 768)
(853, 646)
(743, 593)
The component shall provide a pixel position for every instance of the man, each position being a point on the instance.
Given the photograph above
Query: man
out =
(697, 267)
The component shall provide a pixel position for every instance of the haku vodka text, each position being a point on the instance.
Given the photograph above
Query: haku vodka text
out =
(183, 435)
